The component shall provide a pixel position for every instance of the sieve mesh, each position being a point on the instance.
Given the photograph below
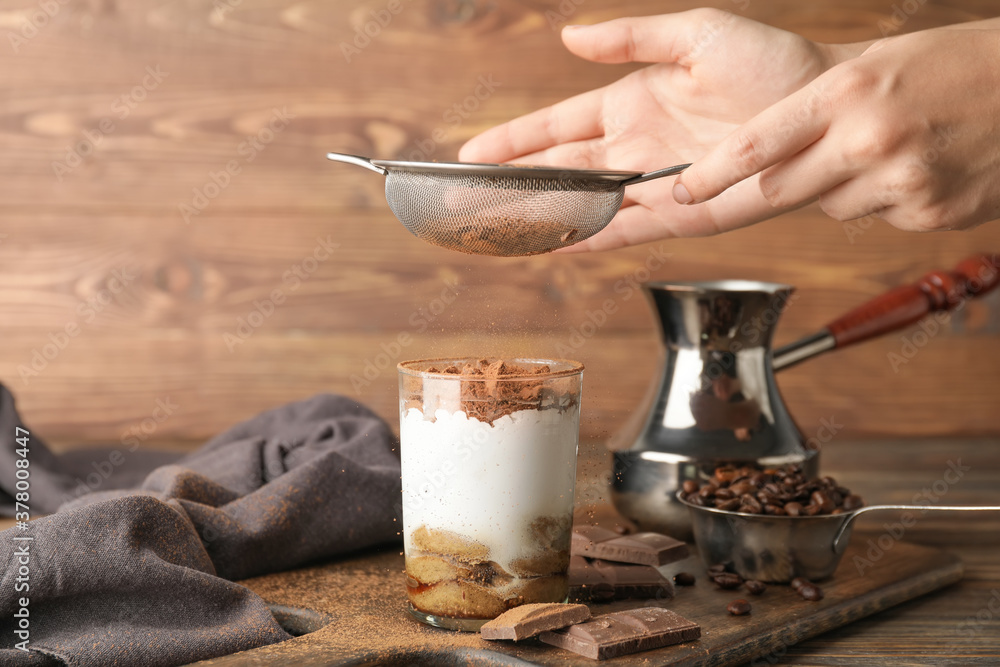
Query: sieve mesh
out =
(499, 215)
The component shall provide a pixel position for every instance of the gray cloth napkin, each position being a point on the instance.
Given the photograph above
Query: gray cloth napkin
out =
(143, 575)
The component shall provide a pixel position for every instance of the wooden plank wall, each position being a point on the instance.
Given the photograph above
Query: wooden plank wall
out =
(114, 114)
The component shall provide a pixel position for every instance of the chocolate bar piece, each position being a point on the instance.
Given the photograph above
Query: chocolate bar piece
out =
(586, 537)
(530, 619)
(623, 632)
(641, 548)
(600, 581)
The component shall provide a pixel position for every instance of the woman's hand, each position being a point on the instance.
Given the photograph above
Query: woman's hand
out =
(908, 132)
(714, 71)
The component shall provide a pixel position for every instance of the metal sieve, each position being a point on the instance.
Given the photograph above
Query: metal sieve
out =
(500, 209)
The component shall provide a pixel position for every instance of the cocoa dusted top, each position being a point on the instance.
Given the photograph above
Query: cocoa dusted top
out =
(494, 388)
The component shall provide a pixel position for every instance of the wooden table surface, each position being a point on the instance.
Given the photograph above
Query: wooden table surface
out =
(958, 625)
(168, 335)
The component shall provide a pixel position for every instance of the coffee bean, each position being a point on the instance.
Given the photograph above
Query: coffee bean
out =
(853, 502)
(725, 493)
(766, 498)
(728, 505)
(727, 580)
(684, 579)
(725, 473)
(755, 587)
(773, 492)
(823, 500)
(750, 505)
(738, 607)
(811, 592)
(716, 569)
(799, 582)
(740, 488)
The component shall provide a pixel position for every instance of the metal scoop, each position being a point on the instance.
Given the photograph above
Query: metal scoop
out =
(779, 548)
(500, 209)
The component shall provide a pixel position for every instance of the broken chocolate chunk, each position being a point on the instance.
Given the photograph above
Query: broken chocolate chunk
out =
(585, 538)
(639, 548)
(530, 619)
(600, 581)
(623, 632)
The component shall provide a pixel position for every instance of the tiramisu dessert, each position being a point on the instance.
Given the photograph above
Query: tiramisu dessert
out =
(488, 468)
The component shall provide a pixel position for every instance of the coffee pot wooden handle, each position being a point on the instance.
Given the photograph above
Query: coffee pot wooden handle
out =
(902, 306)
(898, 308)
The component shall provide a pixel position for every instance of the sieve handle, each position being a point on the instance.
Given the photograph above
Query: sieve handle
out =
(358, 160)
(659, 173)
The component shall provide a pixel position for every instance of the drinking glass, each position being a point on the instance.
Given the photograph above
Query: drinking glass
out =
(488, 451)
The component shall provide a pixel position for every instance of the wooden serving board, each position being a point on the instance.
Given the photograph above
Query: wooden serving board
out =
(356, 615)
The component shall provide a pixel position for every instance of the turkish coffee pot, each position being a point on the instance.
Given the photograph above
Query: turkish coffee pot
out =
(716, 400)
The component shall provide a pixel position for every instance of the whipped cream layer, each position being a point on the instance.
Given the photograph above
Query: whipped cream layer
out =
(488, 483)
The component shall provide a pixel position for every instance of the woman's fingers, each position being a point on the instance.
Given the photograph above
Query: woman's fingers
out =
(742, 205)
(631, 226)
(775, 134)
(806, 175)
(855, 199)
(586, 154)
(575, 119)
(667, 38)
